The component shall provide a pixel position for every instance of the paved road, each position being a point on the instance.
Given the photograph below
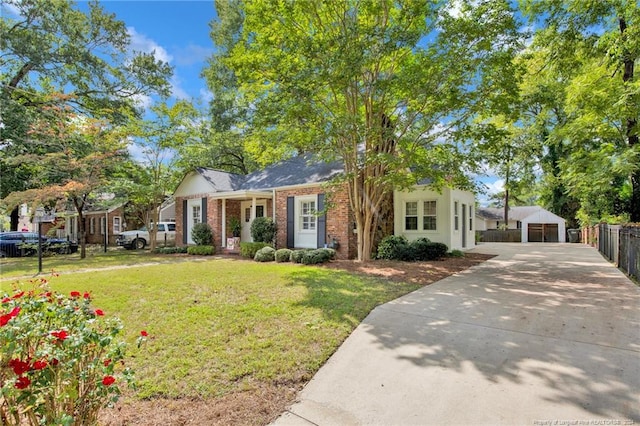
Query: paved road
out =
(537, 335)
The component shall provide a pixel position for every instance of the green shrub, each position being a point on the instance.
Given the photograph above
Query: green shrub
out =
(201, 250)
(265, 254)
(283, 255)
(436, 251)
(456, 253)
(296, 255)
(249, 250)
(52, 347)
(392, 247)
(328, 252)
(202, 235)
(263, 230)
(170, 250)
(313, 257)
(419, 249)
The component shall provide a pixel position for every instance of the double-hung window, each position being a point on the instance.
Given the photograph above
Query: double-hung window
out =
(411, 216)
(429, 215)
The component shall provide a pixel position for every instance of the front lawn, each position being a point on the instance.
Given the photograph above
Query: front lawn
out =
(222, 326)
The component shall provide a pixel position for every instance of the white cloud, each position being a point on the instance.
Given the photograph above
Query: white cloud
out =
(206, 95)
(143, 101)
(193, 54)
(141, 43)
(495, 187)
(176, 88)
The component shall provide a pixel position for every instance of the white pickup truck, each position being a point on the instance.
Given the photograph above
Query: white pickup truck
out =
(139, 238)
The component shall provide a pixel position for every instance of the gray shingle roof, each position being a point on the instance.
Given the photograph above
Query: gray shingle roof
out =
(515, 213)
(298, 170)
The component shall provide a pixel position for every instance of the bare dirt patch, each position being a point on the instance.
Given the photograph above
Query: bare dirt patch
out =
(262, 403)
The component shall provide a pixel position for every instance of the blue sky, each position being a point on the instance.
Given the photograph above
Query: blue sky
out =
(178, 32)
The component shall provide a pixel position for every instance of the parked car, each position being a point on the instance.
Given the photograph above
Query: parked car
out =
(15, 244)
(139, 238)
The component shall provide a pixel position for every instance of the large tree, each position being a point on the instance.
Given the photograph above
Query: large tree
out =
(381, 85)
(52, 47)
(592, 47)
(77, 156)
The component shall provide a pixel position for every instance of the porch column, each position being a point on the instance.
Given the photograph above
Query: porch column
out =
(223, 231)
(253, 208)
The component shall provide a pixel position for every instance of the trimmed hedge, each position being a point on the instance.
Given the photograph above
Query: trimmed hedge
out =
(265, 254)
(296, 255)
(397, 247)
(456, 253)
(283, 255)
(201, 250)
(170, 250)
(249, 250)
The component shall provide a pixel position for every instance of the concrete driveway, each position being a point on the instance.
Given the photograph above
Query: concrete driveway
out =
(540, 334)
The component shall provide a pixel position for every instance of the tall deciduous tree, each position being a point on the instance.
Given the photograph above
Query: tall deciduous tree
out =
(52, 47)
(77, 157)
(159, 138)
(379, 84)
(595, 46)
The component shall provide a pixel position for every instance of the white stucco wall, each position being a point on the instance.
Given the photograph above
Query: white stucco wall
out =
(445, 231)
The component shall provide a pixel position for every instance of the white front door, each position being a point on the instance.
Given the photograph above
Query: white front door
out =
(194, 216)
(306, 231)
(245, 213)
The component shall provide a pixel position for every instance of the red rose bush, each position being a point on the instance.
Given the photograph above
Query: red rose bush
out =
(60, 359)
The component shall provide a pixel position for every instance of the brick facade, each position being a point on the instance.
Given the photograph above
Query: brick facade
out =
(339, 221)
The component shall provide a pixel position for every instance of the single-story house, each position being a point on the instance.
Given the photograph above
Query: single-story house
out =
(293, 191)
(536, 223)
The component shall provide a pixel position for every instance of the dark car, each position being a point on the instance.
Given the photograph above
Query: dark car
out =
(13, 244)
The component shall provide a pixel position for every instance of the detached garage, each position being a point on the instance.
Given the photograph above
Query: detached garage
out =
(537, 225)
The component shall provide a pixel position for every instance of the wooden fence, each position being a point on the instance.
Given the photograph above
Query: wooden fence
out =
(500, 236)
(618, 243)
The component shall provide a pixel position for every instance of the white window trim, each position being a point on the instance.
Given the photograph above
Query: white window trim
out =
(92, 225)
(117, 229)
(103, 225)
(423, 215)
(305, 200)
(417, 216)
(456, 216)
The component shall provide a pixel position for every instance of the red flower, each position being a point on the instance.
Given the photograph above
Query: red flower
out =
(106, 362)
(4, 319)
(54, 362)
(99, 312)
(108, 380)
(60, 335)
(14, 312)
(19, 367)
(22, 382)
(75, 294)
(143, 333)
(6, 299)
(40, 364)
(18, 295)
(87, 295)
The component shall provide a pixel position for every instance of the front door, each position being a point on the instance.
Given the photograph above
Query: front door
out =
(245, 213)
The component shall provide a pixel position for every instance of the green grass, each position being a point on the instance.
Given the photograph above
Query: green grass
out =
(222, 325)
(96, 258)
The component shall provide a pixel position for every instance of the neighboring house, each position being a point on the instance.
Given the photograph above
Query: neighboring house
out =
(168, 211)
(536, 224)
(291, 192)
(99, 222)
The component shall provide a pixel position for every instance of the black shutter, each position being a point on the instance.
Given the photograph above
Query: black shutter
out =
(322, 223)
(290, 222)
(185, 215)
(204, 210)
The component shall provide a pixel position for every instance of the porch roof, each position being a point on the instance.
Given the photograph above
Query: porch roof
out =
(241, 195)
